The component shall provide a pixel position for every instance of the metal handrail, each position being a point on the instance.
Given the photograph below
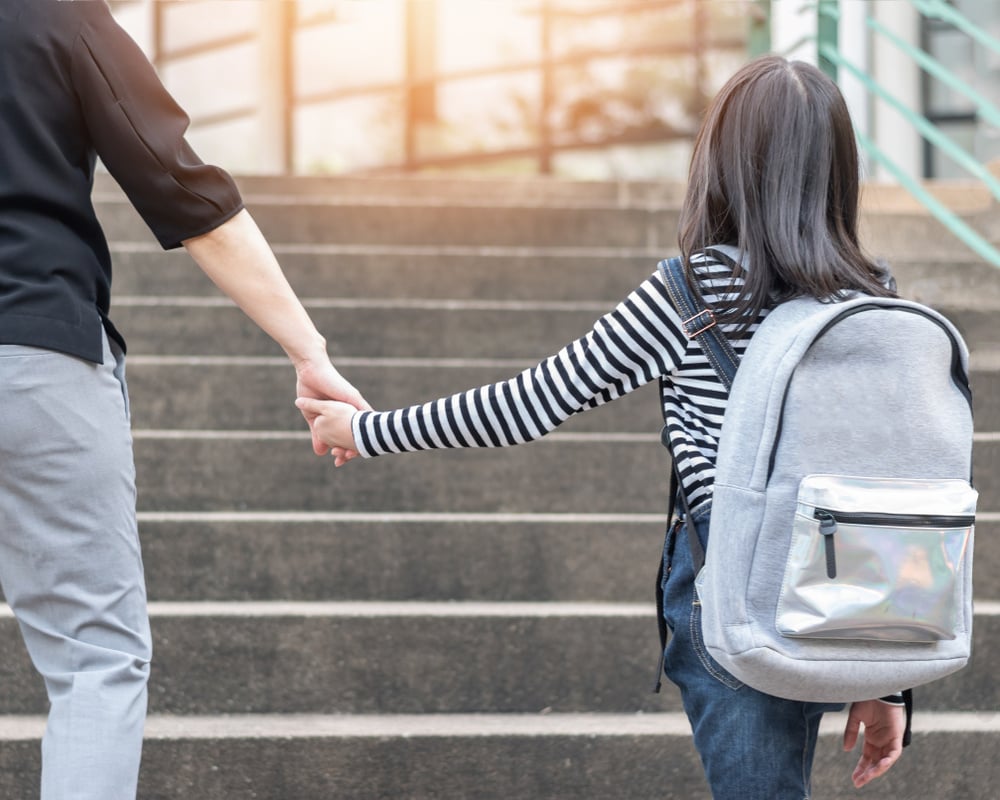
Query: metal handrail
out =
(551, 13)
(985, 109)
(927, 128)
(958, 226)
(455, 76)
(932, 66)
(938, 9)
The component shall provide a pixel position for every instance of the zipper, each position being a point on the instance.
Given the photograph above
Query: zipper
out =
(828, 527)
(898, 520)
(828, 520)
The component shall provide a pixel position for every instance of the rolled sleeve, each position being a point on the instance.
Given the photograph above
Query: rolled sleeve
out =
(138, 131)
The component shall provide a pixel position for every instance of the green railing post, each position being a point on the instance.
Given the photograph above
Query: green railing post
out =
(827, 24)
(759, 29)
(924, 126)
(831, 60)
(939, 9)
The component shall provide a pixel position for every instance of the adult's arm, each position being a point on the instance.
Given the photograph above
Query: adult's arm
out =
(138, 130)
(239, 261)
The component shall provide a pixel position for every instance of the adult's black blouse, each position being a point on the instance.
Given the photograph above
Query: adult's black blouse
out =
(73, 86)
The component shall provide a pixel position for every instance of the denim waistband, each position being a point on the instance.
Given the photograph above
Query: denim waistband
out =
(702, 510)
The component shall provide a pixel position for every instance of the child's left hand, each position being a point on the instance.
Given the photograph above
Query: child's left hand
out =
(884, 725)
(331, 422)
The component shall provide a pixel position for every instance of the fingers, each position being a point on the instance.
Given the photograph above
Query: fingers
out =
(310, 406)
(330, 426)
(868, 770)
(342, 455)
(346, 393)
(323, 380)
(320, 447)
(851, 731)
(883, 738)
(311, 410)
(341, 389)
(355, 398)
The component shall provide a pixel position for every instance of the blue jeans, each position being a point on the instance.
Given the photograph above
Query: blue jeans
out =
(753, 746)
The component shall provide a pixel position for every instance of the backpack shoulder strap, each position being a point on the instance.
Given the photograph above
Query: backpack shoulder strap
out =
(699, 322)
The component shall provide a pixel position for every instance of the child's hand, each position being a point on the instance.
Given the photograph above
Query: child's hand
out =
(332, 425)
(884, 725)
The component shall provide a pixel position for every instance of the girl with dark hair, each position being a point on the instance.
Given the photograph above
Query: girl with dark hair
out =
(771, 213)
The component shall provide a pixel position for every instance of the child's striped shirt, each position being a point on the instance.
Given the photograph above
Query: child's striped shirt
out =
(639, 341)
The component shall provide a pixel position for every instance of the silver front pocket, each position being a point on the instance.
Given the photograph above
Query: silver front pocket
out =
(877, 558)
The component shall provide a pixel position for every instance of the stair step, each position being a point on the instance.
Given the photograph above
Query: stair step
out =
(527, 330)
(375, 330)
(433, 221)
(523, 190)
(428, 220)
(224, 471)
(484, 757)
(964, 196)
(195, 392)
(188, 393)
(380, 657)
(15, 728)
(563, 473)
(478, 272)
(426, 556)
(344, 556)
(387, 271)
(357, 758)
(386, 657)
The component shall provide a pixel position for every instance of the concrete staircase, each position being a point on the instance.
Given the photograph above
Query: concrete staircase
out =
(465, 625)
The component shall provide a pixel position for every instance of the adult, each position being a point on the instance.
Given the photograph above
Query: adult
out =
(73, 86)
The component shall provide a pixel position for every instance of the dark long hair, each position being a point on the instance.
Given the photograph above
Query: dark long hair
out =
(775, 173)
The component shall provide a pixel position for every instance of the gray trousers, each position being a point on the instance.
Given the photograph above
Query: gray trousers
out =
(70, 564)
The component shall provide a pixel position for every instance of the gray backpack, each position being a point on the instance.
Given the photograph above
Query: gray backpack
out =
(839, 558)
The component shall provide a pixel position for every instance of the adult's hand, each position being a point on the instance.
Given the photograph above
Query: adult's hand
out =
(883, 738)
(239, 261)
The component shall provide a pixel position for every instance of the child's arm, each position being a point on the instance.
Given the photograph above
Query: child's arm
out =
(630, 346)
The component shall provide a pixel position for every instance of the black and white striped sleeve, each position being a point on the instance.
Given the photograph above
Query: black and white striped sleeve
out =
(640, 340)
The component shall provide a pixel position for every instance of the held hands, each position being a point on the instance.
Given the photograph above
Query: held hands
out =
(330, 422)
(883, 738)
(318, 379)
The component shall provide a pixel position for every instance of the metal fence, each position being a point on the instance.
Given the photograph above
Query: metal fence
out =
(703, 29)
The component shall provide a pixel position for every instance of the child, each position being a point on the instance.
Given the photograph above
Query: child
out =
(770, 213)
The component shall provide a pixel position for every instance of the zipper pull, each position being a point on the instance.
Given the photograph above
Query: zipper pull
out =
(828, 527)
